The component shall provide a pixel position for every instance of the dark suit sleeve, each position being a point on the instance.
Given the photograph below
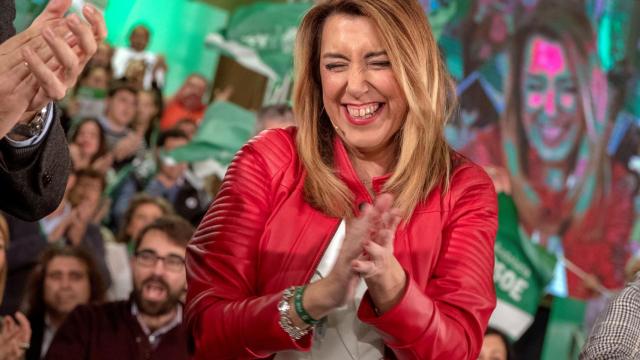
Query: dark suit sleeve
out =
(7, 15)
(33, 179)
(72, 340)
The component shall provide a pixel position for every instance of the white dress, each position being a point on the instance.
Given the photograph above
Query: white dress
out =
(341, 335)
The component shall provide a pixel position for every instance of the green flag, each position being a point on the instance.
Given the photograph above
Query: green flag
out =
(565, 335)
(261, 37)
(522, 270)
(224, 129)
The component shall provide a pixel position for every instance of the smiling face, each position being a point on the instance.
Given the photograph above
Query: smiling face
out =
(359, 89)
(88, 138)
(550, 101)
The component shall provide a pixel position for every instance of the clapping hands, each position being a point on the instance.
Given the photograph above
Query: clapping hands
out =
(14, 337)
(41, 63)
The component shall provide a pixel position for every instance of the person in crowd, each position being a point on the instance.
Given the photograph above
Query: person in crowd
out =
(14, 335)
(96, 77)
(615, 334)
(89, 96)
(187, 103)
(102, 57)
(88, 146)
(34, 159)
(155, 179)
(122, 141)
(274, 117)
(175, 183)
(188, 127)
(548, 150)
(360, 234)
(495, 346)
(77, 221)
(149, 324)
(147, 121)
(65, 278)
(143, 209)
(154, 66)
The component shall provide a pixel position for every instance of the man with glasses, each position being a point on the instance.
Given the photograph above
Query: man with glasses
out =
(149, 324)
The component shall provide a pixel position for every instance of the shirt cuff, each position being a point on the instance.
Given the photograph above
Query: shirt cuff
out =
(48, 119)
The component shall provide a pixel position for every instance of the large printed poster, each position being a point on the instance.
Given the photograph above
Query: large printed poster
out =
(548, 106)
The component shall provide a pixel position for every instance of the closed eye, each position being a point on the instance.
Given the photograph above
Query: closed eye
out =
(381, 64)
(334, 66)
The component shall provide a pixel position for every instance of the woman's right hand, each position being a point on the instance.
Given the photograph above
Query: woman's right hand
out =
(338, 288)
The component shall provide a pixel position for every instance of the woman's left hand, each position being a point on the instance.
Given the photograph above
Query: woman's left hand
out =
(382, 272)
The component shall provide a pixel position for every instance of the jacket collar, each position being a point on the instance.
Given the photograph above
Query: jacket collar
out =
(348, 174)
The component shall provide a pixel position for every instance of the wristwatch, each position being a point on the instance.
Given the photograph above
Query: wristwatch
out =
(32, 128)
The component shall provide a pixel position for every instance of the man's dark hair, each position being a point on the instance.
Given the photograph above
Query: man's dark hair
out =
(171, 133)
(137, 201)
(91, 174)
(504, 338)
(178, 230)
(35, 286)
(118, 86)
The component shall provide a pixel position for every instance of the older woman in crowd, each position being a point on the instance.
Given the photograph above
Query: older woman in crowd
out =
(360, 235)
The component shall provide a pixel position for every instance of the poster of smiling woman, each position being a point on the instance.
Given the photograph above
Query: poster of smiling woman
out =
(548, 149)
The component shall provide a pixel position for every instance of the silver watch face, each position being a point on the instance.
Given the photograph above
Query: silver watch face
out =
(283, 306)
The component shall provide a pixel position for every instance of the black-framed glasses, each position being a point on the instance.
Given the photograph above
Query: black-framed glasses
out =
(149, 258)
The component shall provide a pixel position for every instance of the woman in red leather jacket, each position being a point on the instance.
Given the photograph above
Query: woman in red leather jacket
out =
(360, 234)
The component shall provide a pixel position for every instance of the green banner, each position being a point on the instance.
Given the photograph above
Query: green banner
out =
(262, 36)
(178, 32)
(565, 336)
(222, 132)
(522, 270)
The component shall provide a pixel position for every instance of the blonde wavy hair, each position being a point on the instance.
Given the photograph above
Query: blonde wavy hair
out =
(423, 160)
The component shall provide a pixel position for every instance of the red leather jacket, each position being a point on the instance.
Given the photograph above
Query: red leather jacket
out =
(260, 237)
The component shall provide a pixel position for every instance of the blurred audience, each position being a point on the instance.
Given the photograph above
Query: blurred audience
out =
(14, 335)
(274, 116)
(88, 146)
(102, 57)
(123, 143)
(187, 103)
(152, 67)
(147, 121)
(188, 127)
(495, 346)
(143, 209)
(66, 277)
(77, 221)
(149, 324)
(175, 183)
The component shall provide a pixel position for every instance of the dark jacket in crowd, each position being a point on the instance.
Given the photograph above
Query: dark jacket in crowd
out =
(111, 331)
(26, 245)
(32, 179)
(38, 329)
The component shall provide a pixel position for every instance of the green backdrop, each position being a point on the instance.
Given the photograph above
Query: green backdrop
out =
(178, 29)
